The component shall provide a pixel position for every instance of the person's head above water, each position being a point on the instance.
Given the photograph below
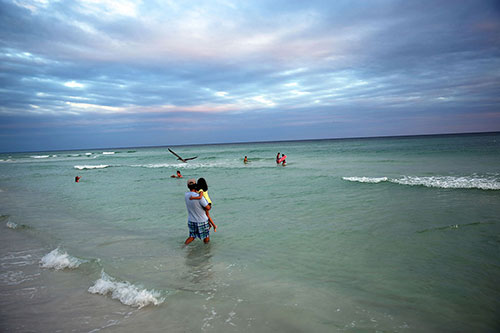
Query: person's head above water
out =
(202, 184)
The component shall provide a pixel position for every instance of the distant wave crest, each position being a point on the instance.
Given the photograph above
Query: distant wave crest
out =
(11, 225)
(90, 167)
(466, 182)
(59, 259)
(125, 292)
(366, 179)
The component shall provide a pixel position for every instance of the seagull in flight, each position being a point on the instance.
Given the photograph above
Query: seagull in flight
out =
(180, 158)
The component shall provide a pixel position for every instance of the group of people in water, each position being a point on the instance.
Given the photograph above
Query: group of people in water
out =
(279, 159)
(198, 204)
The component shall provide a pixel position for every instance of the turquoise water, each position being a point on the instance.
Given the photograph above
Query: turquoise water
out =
(386, 234)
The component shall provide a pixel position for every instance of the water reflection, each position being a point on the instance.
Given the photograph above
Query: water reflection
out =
(199, 264)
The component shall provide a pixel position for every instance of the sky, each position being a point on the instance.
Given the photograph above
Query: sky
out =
(105, 73)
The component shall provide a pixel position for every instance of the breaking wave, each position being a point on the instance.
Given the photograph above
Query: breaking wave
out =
(11, 225)
(125, 292)
(366, 179)
(89, 167)
(446, 182)
(58, 260)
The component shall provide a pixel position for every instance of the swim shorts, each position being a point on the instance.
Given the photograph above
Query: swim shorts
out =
(199, 230)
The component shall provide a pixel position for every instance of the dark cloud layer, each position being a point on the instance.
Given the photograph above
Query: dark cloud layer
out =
(80, 74)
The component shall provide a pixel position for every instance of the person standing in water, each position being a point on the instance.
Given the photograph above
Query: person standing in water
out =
(278, 158)
(202, 188)
(245, 160)
(77, 179)
(197, 217)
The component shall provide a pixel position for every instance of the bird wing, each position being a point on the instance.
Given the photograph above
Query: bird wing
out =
(170, 150)
(190, 158)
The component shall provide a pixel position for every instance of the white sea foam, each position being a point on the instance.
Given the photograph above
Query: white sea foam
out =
(125, 292)
(88, 154)
(11, 225)
(40, 156)
(16, 277)
(450, 182)
(471, 182)
(366, 179)
(108, 152)
(89, 167)
(154, 166)
(58, 259)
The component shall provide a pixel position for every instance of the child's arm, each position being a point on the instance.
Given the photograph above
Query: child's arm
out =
(198, 197)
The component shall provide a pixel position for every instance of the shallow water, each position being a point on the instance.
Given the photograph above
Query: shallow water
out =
(392, 234)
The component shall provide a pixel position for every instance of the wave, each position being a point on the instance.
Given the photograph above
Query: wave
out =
(58, 260)
(451, 182)
(366, 179)
(446, 182)
(15, 226)
(126, 292)
(454, 226)
(108, 152)
(40, 156)
(220, 165)
(11, 225)
(89, 167)
(158, 165)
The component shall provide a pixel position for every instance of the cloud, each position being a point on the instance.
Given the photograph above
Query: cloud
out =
(320, 64)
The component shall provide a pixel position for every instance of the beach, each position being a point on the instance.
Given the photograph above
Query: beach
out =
(397, 234)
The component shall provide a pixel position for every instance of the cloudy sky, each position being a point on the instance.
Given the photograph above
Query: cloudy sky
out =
(108, 73)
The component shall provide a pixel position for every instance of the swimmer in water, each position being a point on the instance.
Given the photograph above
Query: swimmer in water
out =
(177, 176)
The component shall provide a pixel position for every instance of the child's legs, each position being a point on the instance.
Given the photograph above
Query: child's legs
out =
(210, 219)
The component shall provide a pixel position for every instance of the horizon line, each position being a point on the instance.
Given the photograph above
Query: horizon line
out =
(264, 141)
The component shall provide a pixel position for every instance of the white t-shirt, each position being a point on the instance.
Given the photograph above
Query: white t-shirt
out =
(196, 208)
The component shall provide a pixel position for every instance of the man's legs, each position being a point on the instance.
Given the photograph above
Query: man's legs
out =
(189, 240)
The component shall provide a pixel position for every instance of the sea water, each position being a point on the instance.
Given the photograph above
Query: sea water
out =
(384, 234)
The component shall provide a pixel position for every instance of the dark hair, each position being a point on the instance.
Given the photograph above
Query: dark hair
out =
(202, 184)
(193, 186)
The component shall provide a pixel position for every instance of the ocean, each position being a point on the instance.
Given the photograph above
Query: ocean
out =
(396, 234)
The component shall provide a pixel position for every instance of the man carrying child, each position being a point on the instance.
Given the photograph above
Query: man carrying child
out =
(197, 218)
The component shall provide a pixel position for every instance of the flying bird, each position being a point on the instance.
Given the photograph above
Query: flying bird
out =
(180, 158)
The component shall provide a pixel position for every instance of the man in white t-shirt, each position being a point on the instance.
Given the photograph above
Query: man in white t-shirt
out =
(197, 218)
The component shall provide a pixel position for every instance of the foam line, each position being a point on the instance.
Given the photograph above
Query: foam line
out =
(58, 259)
(125, 292)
